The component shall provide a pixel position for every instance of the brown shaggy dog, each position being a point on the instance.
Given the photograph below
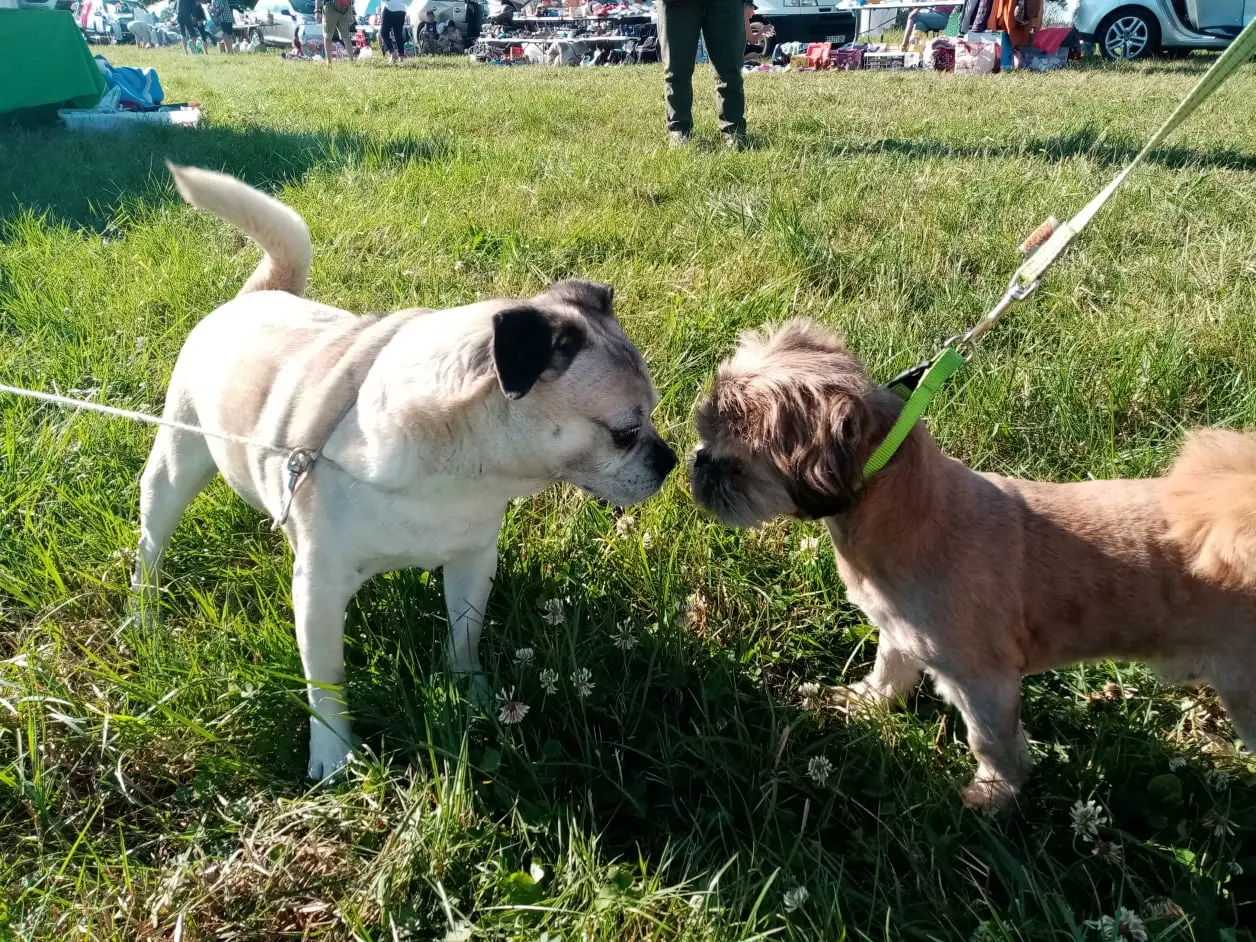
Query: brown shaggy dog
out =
(978, 579)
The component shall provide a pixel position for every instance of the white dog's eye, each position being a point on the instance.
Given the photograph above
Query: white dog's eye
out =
(624, 437)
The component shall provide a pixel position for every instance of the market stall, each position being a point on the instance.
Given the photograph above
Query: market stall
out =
(572, 34)
(45, 62)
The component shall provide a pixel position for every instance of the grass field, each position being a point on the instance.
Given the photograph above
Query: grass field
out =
(151, 781)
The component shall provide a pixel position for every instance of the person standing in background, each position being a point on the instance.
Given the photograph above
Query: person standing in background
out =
(392, 29)
(190, 19)
(220, 12)
(722, 25)
(336, 17)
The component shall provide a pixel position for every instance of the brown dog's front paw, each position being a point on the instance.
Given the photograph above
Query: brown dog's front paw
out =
(990, 795)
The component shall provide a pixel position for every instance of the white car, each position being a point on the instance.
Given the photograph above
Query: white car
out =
(277, 22)
(1132, 29)
(446, 10)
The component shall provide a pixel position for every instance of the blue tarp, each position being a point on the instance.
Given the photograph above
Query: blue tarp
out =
(139, 89)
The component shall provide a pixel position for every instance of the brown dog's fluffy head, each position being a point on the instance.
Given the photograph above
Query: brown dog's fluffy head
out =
(786, 429)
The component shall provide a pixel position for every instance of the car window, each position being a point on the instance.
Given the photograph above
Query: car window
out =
(304, 6)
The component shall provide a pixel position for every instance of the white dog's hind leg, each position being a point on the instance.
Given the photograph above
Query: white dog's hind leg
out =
(320, 594)
(468, 581)
(179, 467)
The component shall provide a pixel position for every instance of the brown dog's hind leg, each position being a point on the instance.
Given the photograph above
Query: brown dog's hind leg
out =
(1236, 686)
(990, 705)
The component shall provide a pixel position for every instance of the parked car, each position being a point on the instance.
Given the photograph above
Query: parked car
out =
(807, 21)
(456, 10)
(278, 22)
(1133, 30)
(46, 4)
(106, 21)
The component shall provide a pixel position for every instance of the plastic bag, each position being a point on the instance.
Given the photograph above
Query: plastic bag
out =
(978, 58)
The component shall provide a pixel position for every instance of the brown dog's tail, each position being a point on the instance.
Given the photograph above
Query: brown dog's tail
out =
(1211, 505)
(277, 228)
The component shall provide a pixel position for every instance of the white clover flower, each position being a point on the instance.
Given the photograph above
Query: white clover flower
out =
(1125, 925)
(809, 549)
(549, 680)
(810, 695)
(647, 540)
(512, 711)
(696, 610)
(820, 768)
(582, 680)
(1088, 818)
(625, 525)
(1164, 908)
(1218, 824)
(1177, 763)
(624, 638)
(552, 611)
(795, 898)
(1108, 851)
(139, 343)
(1217, 780)
(524, 656)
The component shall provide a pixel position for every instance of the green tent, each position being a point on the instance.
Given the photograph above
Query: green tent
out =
(45, 62)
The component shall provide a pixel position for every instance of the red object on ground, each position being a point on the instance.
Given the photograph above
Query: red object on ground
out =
(1051, 39)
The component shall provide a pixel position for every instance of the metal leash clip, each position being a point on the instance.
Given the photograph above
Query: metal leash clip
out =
(300, 460)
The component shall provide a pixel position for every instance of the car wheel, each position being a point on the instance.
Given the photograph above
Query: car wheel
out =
(255, 36)
(1128, 34)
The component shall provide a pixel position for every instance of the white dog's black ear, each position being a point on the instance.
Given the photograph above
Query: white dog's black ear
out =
(529, 344)
(592, 297)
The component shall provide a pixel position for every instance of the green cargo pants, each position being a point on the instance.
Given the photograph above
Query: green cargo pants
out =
(723, 24)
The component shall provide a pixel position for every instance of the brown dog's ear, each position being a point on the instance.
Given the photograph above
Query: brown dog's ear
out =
(529, 344)
(811, 432)
(822, 470)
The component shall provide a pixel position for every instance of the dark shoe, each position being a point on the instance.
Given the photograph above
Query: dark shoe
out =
(677, 139)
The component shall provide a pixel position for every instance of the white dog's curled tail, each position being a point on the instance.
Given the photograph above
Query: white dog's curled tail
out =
(1211, 505)
(281, 233)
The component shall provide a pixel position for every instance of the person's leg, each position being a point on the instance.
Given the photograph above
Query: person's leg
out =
(724, 26)
(679, 26)
(399, 34)
(385, 33)
(335, 24)
(909, 29)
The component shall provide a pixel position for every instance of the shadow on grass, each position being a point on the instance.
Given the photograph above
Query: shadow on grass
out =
(682, 758)
(1088, 142)
(86, 180)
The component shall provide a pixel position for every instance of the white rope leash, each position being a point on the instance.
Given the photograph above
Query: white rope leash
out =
(300, 460)
(70, 403)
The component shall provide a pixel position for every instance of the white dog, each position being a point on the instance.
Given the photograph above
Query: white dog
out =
(424, 425)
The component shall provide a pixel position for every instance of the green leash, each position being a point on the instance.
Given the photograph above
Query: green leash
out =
(1026, 278)
(942, 368)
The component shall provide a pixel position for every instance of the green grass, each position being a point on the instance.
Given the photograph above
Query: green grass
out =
(151, 781)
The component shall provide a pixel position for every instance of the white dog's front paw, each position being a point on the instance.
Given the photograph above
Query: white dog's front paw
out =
(329, 752)
(142, 606)
(479, 690)
(859, 697)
